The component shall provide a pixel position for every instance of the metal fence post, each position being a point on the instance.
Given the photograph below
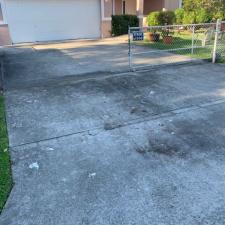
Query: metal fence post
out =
(218, 27)
(129, 47)
(193, 40)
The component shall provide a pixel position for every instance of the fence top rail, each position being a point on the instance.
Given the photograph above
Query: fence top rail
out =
(173, 25)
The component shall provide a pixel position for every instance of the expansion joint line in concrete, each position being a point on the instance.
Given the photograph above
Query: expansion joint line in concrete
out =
(133, 121)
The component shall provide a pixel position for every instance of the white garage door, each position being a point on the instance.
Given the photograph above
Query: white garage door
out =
(45, 20)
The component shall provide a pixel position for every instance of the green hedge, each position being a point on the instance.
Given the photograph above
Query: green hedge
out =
(159, 18)
(153, 19)
(202, 16)
(204, 10)
(120, 23)
(189, 18)
(179, 13)
(198, 16)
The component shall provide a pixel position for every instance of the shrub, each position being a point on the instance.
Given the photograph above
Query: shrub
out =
(153, 19)
(120, 23)
(215, 9)
(218, 15)
(189, 18)
(179, 14)
(202, 16)
(161, 18)
(167, 17)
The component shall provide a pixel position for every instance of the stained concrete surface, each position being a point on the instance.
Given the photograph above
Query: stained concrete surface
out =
(69, 106)
(32, 63)
(132, 148)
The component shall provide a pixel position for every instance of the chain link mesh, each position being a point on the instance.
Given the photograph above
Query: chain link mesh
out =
(175, 44)
(220, 48)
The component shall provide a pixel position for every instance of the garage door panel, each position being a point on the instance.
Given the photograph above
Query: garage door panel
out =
(38, 20)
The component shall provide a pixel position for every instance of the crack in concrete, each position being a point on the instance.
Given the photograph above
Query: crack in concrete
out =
(131, 122)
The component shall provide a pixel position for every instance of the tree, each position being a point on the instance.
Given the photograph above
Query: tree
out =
(212, 9)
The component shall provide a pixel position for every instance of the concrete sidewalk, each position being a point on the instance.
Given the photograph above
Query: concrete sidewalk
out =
(133, 148)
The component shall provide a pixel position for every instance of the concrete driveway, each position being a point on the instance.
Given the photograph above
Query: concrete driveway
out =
(127, 148)
(56, 60)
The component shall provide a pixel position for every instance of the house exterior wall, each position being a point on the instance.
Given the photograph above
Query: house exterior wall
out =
(108, 8)
(4, 29)
(106, 29)
(140, 11)
(106, 13)
(114, 6)
(153, 5)
(172, 4)
(118, 7)
(4, 35)
(130, 7)
(1, 14)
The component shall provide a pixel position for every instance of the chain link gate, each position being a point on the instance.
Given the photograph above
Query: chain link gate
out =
(160, 45)
(219, 43)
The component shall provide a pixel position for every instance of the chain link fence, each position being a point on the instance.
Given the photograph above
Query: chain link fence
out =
(157, 45)
(219, 55)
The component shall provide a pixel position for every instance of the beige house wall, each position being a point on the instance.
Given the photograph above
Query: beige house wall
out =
(108, 8)
(140, 8)
(140, 11)
(172, 4)
(106, 29)
(4, 35)
(130, 7)
(1, 14)
(153, 5)
(118, 7)
(133, 7)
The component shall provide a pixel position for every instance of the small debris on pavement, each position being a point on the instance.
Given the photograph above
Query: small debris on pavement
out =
(133, 110)
(50, 149)
(144, 110)
(172, 133)
(91, 175)
(64, 180)
(152, 93)
(34, 166)
(144, 102)
(93, 132)
(111, 126)
(140, 150)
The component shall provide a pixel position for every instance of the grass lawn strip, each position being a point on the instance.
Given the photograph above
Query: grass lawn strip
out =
(5, 165)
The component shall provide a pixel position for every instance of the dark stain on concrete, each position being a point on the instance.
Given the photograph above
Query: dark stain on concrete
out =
(163, 147)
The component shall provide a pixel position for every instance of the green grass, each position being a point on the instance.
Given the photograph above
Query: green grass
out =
(5, 169)
(183, 39)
